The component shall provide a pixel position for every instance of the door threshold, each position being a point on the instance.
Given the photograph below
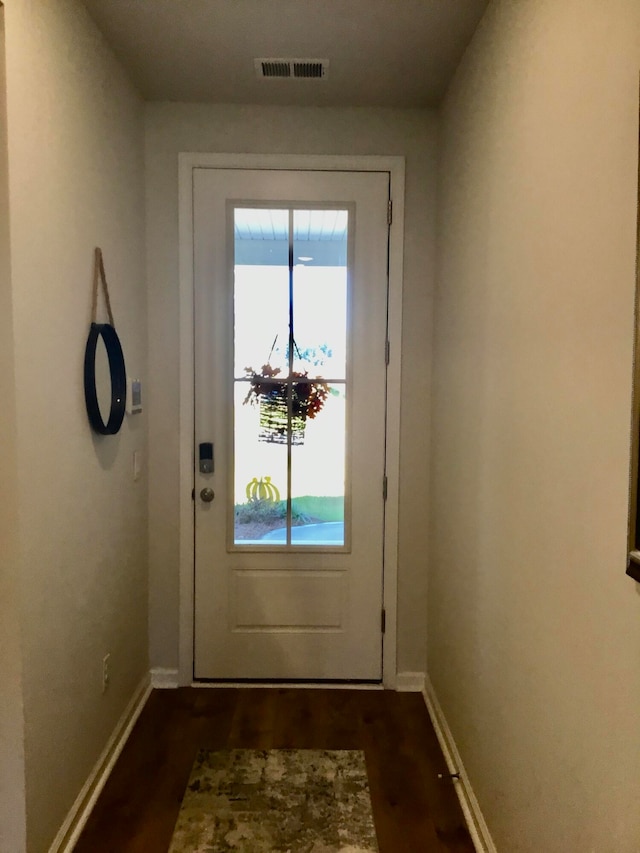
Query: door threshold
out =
(309, 685)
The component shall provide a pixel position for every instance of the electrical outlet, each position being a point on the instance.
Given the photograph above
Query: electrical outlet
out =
(106, 673)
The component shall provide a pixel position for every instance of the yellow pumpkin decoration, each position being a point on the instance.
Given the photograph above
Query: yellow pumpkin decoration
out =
(262, 490)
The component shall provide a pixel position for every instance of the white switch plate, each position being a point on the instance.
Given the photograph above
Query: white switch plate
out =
(134, 396)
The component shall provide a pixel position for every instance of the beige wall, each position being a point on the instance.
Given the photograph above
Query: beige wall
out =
(12, 806)
(172, 128)
(534, 630)
(75, 181)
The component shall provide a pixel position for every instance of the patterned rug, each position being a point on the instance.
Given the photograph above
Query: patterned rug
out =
(276, 801)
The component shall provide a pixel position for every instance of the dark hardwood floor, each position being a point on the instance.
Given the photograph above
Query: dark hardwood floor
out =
(414, 811)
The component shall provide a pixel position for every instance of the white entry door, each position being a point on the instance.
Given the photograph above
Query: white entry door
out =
(291, 279)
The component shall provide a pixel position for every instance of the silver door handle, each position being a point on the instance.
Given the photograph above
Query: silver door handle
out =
(207, 495)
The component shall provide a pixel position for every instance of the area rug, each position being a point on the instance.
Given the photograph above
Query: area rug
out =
(276, 801)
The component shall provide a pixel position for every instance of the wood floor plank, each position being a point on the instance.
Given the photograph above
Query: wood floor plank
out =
(400, 806)
(300, 719)
(213, 712)
(254, 719)
(435, 779)
(414, 810)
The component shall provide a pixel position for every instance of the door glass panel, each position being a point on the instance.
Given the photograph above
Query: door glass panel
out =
(260, 476)
(290, 377)
(261, 289)
(318, 476)
(320, 326)
(320, 292)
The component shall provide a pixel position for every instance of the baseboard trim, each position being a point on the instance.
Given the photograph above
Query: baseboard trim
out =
(69, 832)
(164, 679)
(476, 823)
(410, 682)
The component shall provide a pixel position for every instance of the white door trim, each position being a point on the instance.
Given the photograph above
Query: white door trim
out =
(358, 163)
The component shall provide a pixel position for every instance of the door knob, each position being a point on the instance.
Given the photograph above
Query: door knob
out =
(207, 495)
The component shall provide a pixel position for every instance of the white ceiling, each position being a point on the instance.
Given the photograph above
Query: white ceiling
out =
(381, 52)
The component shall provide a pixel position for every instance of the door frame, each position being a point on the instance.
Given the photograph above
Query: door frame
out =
(395, 166)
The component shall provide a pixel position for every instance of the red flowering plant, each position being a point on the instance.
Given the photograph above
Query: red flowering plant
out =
(270, 392)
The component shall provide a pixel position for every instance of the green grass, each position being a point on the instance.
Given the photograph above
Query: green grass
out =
(302, 510)
(322, 508)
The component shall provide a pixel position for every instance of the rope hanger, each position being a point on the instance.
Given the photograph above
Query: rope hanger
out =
(99, 275)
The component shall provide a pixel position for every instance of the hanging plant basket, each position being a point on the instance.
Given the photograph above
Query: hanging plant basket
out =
(271, 394)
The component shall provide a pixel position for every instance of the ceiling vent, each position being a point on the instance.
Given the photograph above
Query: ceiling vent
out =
(291, 69)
